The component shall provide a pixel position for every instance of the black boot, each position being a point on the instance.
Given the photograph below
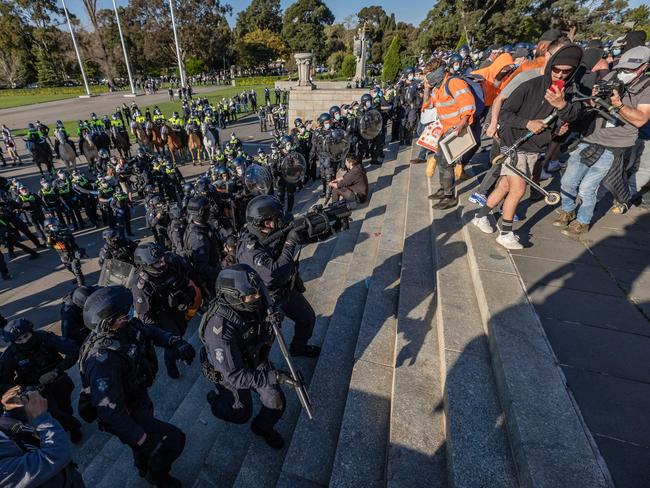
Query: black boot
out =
(449, 201)
(272, 437)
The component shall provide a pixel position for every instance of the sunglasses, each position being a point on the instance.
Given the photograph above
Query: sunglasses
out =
(557, 70)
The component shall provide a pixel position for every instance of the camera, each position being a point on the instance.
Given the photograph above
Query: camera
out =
(606, 88)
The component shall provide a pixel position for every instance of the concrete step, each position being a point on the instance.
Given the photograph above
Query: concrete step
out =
(360, 458)
(324, 274)
(311, 453)
(416, 454)
(477, 448)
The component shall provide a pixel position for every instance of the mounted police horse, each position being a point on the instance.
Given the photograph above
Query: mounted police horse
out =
(141, 135)
(67, 152)
(42, 155)
(121, 141)
(90, 151)
(174, 140)
(195, 143)
(102, 140)
(210, 139)
(153, 130)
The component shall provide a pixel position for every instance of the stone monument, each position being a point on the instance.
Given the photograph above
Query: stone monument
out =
(362, 53)
(303, 61)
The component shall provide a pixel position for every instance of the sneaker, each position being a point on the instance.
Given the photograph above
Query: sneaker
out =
(509, 241)
(575, 229)
(308, 351)
(553, 166)
(483, 223)
(564, 218)
(417, 161)
(440, 193)
(478, 199)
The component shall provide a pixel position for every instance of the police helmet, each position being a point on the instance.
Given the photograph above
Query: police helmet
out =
(30, 126)
(155, 200)
(81, 294)
(507, 49)
(46, 184)
(238, 281)
(103, 153)
(176, 212)
(150, 189)
(106, 305)
(198, 209)
(202, 187)
(93, 115)
(240, 164)
(262, 208)
(151, 257)
(187, 188)
(109, 234)
(15, 328)
(51, 224)
(297, 122)
(365, 98)
(324, 117)
(59, 123)
(335, 109)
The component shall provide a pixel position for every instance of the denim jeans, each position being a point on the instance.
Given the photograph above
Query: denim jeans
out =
(584, 181)
(422, 152)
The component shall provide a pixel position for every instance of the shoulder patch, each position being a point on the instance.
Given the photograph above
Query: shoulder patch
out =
(102, 384)
(217, 330)
(218, 355)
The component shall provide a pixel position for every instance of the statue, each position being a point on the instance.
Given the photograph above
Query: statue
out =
(362, 53)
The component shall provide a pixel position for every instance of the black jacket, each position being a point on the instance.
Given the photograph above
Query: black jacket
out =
(527, 103)
(357, 181)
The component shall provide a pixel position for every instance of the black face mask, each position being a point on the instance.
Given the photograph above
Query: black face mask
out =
(27, 346)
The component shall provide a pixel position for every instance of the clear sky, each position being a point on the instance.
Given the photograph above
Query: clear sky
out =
(412, 11)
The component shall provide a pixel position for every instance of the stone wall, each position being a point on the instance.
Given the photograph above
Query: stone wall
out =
(321, 84)
(309, 104)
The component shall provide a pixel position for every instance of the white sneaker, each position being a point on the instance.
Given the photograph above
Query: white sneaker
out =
(483, 223)
(509, 241)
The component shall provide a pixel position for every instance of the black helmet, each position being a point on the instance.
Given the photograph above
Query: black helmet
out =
(198, 209)
(155, 201)
(261, 208)
(237, 281)
(176, 212)
(150, 189)
(106, 305)
(202, 187)
(187, 188)
(81, 294)
(52, 224)
(298, 122)
(324, 117)
(15, 328)
(334, 109)
(366, 97)
(151, 257)
(109, 234)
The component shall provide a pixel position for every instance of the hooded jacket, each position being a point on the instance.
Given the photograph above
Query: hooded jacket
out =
(492, 86)
(527, 103)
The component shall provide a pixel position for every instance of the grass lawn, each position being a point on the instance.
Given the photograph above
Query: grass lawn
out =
(20, 100)
(167, 108)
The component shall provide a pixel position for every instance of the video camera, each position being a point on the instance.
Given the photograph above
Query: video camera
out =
(316, 225)
(606, 88)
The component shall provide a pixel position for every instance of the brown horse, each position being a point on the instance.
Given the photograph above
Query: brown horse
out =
(174, 142)
(156, 139)
(195, 144)
(143, 138)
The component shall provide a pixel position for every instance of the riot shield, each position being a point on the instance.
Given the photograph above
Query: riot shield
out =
(258, 179)
(336, 145)
(293, 167)
(115, 272)
(370, 124)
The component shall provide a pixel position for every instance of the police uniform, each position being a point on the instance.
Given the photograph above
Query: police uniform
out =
(120, 249)
(202, 246)
(237, 346)
(72, 322)
(25, 364)
(65, 245)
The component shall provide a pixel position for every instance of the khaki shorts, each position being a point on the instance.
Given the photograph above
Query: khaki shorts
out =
(525, 163)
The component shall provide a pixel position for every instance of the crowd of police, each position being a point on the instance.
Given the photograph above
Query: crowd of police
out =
(225, 246)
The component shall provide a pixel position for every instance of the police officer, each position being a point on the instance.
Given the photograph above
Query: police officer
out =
(164, 294)
(201, 242)
(72, 307)
(117, 366)
(237, 341)
(116, 247)
(276, 265)
(40, 359)
(64, 243)
(176, 228)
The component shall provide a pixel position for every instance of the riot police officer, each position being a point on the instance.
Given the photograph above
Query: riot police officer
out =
(237, 342)
(276, 265)
(118, 365)
(64, 243)
(72, 307)
(40, 359)
(116, 247)
(201, 242)
(176, 228)
(164, 294)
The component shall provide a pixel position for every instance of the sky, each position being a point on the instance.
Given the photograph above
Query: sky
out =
(415, 12)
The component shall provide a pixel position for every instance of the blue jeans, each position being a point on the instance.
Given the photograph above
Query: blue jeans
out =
(584, 181)
(422, 152)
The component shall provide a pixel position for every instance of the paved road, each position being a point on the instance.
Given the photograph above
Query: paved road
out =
(79, 108)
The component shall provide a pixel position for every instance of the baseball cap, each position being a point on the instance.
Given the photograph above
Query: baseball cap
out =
(634, 58)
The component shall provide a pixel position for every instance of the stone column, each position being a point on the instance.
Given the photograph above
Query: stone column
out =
(303, 61)
(361, 52)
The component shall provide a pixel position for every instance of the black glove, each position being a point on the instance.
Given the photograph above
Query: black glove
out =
(293, 237)
(285, 378)
(184, 351)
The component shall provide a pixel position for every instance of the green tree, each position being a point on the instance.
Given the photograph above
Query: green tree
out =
(259, 15)
(260, 47)
(335, 61)
(392, 61)
(16, 61)
(304, 25)
(349, 66)
(47, 76)
(194, 66)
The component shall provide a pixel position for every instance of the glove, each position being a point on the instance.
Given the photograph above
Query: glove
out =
(283, 378)
(184, 351)
(48, 377)
(293, 237)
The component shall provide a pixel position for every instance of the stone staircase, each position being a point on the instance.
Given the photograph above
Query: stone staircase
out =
(403, 390)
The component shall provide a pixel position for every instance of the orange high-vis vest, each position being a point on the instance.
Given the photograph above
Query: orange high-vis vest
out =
(452, 108)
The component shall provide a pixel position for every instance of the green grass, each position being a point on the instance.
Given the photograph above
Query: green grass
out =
(20, 100)
(167, 108)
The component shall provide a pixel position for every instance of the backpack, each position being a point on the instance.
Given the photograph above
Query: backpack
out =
(474, 83)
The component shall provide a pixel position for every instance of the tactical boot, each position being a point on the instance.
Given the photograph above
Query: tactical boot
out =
(417, 161)
(306, 350)
(575, 229)
(437, 195)
(272, 437)
(564, 218)
(164, 480)
(449, 201)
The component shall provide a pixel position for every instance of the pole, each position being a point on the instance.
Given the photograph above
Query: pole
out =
(126, 56)
(76, 49)
(181, 71)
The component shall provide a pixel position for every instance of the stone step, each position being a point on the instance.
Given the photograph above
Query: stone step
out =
(416, 454)
(324, 272)
(360, 458)
(311, 452)
(477, 448)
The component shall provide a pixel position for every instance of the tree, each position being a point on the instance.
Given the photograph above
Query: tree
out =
(194, 66)
(304, 24)
(15, 57)
(47, 76)
(392, 61)
(259, 15)
(349, 66)
(100, 51)
(335, 61)
(260, 46)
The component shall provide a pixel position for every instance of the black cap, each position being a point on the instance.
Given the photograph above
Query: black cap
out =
(551, 35)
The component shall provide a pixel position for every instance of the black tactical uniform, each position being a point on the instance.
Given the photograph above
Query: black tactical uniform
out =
(201, 243)
(72, 323)
(62, 240)
(117, 365)
(276, 265)
(32, 205)
(39, 361)
(176, 228)
(164, 294)
(116, 247)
